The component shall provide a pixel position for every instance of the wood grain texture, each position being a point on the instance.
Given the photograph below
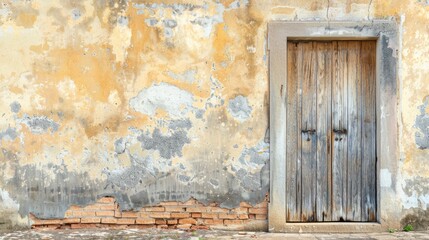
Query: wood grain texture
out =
(331, 171)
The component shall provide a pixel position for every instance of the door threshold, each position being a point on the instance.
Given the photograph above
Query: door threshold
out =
(330, 227)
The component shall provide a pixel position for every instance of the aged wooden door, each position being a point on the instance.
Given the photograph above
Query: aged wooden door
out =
(331, 131)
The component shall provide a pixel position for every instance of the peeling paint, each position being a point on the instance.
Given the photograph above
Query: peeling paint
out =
(175, 101)
(422, 124)
(239, 108)
(40, 124)
(9, 134)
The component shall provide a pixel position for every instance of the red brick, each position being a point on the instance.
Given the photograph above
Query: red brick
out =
(174, 209)
(109, 220)
(261, 216)
(228, 216)
(169, 203)
(198, 209)
(80, 225)
(243, 216)
(190, 202)
(258, 210)
(180, 215)
(126, 221)
(202, 227)
(71, 220)
(107, 207)
(106, 200)
(74, 207)
(233, 222)
(130, 214)
(196, 215)
(209, 215)
(91, 207)
(105, 213)
(187, 221)
(160, 222)
(68, 213)
(155, 209)
(118, 213)
(90, 220)
(159, 215)
(84, 213)
(240, 210)
(252, 216)
(143, 226)
(162, 226)
(184, 226)
(47, 221)
(219, 210)
(172, 221)
(145, 221)
(244, 204)
(213, 221)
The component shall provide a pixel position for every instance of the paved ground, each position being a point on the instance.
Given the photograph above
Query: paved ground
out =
(197, 235)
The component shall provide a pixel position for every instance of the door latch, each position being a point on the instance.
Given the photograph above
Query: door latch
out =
(308, 132)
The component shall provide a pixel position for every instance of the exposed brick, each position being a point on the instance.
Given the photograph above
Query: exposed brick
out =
(243, 216)
(190, 202)
(74, 207)
(106, 200)
(80, 225)
(213, 221)
(71, 220)
(145, 221)
(91, 207)
(198, 209)
(109, 220)
(187, 221)
(196, 215)
(118, 213)
(143, 226)
(200, 227)
(233, 222)
(244, 204)
(90, 220)
(228, 216)
(209, 215)
(130, 214)
(105, 213)
(258, 210)
(240, 210)
(155, 209)
(180, 215)
(220, 210)
(68, 213)
(84, 213)
(159, 215)
(174, 209)
(47, 221)
(172, 221)
(184, 226)
(126, 221)
(261, 216)
(162, 226)
(169, 203)
(252, 216)
(160, 222)
(107, 207)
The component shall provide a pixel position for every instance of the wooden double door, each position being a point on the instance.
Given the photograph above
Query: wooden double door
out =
(331, 131)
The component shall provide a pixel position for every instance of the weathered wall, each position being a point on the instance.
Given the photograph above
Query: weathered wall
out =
(152, 101)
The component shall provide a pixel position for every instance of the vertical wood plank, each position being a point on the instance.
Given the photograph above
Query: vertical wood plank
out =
(339, 141)
(323, 109)
(369, 132)
(292, 200)
(308, 140)
(354, 108)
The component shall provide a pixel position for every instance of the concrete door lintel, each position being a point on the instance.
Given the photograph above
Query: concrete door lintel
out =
(385, 32)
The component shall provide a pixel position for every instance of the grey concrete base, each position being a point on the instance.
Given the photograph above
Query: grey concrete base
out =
(351, 227)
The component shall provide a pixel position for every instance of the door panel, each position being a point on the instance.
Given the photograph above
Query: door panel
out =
(330, 150)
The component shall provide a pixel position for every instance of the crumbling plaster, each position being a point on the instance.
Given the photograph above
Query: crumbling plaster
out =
(166, 100)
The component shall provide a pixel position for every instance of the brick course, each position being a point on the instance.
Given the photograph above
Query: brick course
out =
(189, 215)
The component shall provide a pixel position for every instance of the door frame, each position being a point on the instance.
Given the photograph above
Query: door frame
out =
(385, 32)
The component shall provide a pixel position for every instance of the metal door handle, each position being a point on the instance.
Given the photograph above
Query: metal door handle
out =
(310, 131)
(340, 131)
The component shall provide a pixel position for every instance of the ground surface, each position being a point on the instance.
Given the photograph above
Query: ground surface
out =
(197, 235)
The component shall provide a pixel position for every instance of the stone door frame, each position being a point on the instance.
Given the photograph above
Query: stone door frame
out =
(385, 32)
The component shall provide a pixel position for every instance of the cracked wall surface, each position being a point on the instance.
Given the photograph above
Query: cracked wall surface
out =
(164, 100)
